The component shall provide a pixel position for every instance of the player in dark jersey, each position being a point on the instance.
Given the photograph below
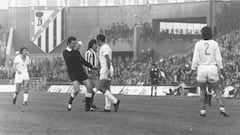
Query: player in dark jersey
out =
(154, 76)
(74, 63)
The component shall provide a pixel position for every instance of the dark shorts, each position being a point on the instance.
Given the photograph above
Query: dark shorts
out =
(81, 78)
(154, 82)
(93, 75)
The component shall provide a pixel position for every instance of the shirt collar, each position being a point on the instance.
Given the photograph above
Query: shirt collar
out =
(68, 49)
(91, 50)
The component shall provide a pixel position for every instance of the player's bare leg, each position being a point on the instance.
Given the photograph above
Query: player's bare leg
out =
(108, 104)
(203, 99)
(25, 94)
(93, 106)
(208, 96)
(215, 87)
(103, 86)
(93, 77)
(74, 93)
(151, 90)
(155, 90)
(18, 89)
(108, 101)
(88, 94)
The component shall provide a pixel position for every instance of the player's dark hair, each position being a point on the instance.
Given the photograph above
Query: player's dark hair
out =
(101, 37)
(206, 33)
(21, 49)
(91, 43)
(70, 39)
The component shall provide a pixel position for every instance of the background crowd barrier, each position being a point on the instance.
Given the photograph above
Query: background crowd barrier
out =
(129, 90)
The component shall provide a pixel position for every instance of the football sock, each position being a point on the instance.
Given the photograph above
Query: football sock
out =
(88, 99)
(92, 99)
(107, 103)
(15, 95)
(25, 97)
(70, 100)
(209, 99)
(72, 96)
(110, 96)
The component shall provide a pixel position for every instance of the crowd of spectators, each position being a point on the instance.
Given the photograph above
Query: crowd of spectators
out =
(119, 31)
(136, 71)
(230, 46)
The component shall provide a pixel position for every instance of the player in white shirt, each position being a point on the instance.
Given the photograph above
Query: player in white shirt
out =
(106, 73)
(21, 62)
(207, 60)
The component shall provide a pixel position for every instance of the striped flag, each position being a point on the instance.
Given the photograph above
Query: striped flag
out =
(47, 27)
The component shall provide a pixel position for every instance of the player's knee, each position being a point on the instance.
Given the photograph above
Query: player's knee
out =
(76, 88)
(76, 91)
(95, 90)
(89, 88)
(102, 90)
(202, 86)
(26, 91)
(218, 96)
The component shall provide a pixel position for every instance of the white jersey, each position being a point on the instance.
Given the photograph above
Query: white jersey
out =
(206, 52)
(104, 50)
(20, 64)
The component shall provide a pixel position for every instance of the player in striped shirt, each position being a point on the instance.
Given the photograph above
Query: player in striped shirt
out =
(92, 58)
(207, 60)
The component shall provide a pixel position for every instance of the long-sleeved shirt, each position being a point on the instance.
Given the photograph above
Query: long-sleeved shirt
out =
(75, 62)
(91, 57)
(154, 73)
(206, 52)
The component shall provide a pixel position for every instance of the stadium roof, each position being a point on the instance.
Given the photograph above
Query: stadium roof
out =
(26, 3)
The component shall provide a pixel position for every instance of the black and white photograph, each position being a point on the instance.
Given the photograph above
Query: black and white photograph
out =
(119, 67)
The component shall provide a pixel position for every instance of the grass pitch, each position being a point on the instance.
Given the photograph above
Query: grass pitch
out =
(46, 114)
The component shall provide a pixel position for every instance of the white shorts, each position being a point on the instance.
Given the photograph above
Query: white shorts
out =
(19, 78)
(104, 73)
(207, 73)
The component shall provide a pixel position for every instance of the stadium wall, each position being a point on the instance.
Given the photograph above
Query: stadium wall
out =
(4, 19)
(19, 19)
(86, 22)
